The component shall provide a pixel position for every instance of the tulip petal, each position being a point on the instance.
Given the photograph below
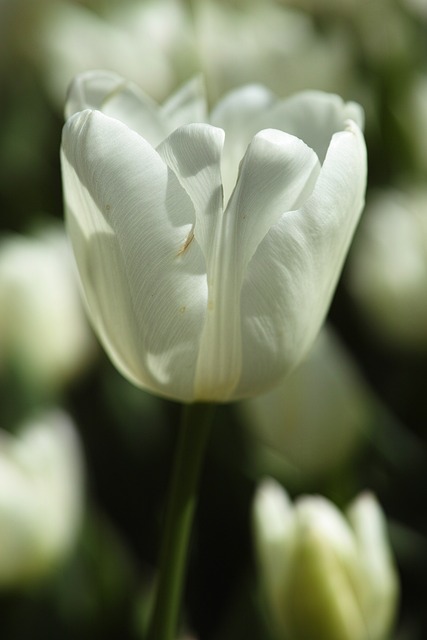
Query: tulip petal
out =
(237, 113)
(313, 116)
(118, 98)
(325, 566)
(277, 174)
(292, 276)
(187, 105)
(379, 584)
(239, 109)
(123, 100)
(194, 155)
(128, 218)
(274, 527)
(277, 171)
(90, 90)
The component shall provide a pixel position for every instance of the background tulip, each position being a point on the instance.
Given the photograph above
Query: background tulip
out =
(317, 417)
(44, 335)
(387, 271)
(325, 576)
(207, 279)
(41, 497)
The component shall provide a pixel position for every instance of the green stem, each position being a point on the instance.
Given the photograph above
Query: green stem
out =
(194, 432)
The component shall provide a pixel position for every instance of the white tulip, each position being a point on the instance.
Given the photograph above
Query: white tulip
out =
(264, 41)
(418, 7)
(209, 247)
(71, 37)
(41, 497)
(316, 417)
(387, 271)
(43, 329)
(325, 576)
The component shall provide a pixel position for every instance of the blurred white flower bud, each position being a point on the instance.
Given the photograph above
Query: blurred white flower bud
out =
(230, 44)
(387, 269)
(271, 44)
(317, 416)
(43, 328)
(149, 42)
(418, 7)
(41, 497)
(325, 576)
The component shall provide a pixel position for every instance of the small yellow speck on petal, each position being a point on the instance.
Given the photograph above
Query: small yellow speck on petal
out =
(187, 243)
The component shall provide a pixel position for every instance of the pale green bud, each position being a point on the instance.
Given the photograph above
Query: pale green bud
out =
(326, 576)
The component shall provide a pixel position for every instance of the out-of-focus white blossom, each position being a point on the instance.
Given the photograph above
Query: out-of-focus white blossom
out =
(44, 333)
(316, 417)
(387, 269)
(41, 497)
(264, 42)
(418, 7)
(150, 42)
(381, 29)
(160, 43)
(209, 246)
(326, 575)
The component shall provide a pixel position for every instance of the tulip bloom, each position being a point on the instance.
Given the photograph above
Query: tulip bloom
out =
(318, 416)
(209, 247)
(44, 334)
(41, 497)
(325, 575)
(387, 272)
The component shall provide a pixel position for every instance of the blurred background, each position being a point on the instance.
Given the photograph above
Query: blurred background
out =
(86, 456)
